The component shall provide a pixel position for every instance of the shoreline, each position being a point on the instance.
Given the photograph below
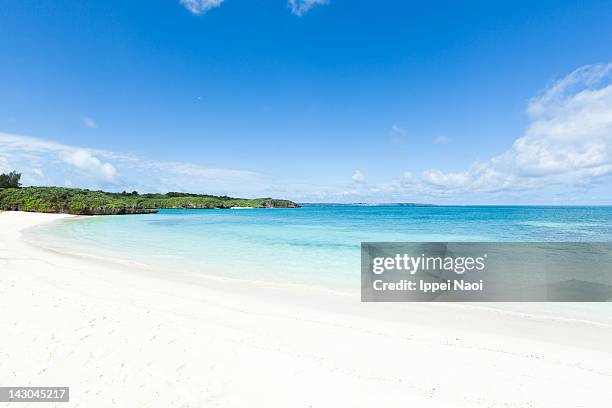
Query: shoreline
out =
(190, 276)
(118, 336)
(228, 283)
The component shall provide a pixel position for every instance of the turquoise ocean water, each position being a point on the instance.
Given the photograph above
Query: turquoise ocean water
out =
(311, 245)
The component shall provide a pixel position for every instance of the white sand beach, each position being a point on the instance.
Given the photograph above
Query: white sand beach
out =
(124, 336)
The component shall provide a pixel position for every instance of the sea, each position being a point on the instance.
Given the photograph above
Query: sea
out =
(313, 245)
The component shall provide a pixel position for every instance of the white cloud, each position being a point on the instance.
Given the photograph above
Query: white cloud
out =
(568, 142)
(298, 7)
(200, 7)
(358, 176)
(83, 160)
(88, 122)
(301, 7)
(28, 154)
(96, 168)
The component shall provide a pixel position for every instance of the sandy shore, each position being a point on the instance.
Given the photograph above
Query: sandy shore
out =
(121, 336)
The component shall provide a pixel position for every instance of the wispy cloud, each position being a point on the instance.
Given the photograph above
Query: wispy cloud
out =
(358, 176)
(200, 7)
(301, 7)
(105, 169)
(297, 7)
(88, 122)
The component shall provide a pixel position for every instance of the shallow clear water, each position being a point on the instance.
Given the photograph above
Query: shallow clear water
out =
(313, 244)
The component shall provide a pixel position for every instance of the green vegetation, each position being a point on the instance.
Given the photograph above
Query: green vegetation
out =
(186, 200)
(86, 202)
(10, 180)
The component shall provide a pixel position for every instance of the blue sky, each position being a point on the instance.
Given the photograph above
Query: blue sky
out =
(445, 102)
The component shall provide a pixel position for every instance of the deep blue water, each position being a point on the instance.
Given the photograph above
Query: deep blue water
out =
(317, 244)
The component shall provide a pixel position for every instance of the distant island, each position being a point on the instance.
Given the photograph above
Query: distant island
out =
(78, 201)
(370, 204)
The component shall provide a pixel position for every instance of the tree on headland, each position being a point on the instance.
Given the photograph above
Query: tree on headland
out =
(10, 180)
